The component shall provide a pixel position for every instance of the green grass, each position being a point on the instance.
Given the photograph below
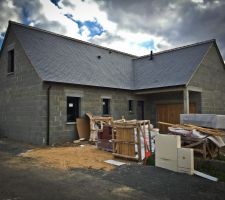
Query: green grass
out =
(220, 157)
(212, 170)
(216, 173)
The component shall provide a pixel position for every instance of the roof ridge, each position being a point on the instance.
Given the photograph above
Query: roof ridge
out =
(180, 47)
(70, 38)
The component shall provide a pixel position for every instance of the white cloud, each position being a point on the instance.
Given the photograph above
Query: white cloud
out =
(46, 15)
(8, 12)
(197, 1)
(126, 24)
(88, 11)
(130, 42)
(52, 13)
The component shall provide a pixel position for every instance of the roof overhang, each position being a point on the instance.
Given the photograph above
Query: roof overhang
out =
(161, 90)
(179, 88)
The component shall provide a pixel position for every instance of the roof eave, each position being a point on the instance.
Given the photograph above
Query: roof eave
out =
(171, 88)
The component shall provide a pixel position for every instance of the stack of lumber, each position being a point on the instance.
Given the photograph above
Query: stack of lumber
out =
(190, 127)
(127, 135)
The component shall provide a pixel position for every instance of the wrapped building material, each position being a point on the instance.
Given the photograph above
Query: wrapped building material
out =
(204, 120)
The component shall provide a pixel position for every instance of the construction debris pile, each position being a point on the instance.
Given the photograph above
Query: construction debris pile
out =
(129, 139)
(135, 140)
(205, 141)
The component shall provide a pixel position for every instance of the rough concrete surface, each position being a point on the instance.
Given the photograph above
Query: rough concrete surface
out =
(24, 178)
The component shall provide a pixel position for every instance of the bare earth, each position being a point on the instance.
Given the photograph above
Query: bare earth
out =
(87, 156)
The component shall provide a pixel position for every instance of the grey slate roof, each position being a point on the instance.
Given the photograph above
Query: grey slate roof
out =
(61, 59)
(169, 68)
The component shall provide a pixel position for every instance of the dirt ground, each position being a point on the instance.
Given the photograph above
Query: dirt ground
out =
(25, 177)
(81, 156)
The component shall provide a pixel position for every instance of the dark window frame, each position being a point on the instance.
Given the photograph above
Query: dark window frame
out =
(131, 106)
(72, 113)
(11, 61)
(105, 106)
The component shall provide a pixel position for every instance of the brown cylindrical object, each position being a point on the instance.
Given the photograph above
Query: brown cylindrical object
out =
(83, 128)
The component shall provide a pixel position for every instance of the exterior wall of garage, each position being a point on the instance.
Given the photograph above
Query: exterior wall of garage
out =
(210, 76)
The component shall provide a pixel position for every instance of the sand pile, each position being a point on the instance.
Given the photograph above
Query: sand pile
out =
(87, 156)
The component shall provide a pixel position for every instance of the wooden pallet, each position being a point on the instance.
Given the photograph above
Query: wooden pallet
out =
(124, 138)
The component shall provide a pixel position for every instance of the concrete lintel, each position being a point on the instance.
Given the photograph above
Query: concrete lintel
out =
(73, 93)
(194, 89)
(154, 91)
(106, 97)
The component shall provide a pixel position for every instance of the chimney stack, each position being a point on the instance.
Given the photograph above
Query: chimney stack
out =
(151, 55)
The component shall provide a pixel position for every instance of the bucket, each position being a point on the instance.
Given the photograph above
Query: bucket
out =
(83, 128)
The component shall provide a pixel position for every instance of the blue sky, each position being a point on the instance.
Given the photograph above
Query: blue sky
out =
(135, 27)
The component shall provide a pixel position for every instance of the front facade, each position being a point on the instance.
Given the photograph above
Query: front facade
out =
(40, 101)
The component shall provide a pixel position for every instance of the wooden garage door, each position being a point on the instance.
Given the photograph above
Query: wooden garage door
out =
(171, 113)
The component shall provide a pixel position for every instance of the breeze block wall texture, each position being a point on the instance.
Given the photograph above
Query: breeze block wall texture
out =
(90, 101)
(210, 76)
(22, 99)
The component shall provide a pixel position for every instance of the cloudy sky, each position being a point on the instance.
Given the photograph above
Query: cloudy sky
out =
(132, 26)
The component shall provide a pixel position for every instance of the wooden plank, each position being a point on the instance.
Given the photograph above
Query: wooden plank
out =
(125, 156)
(123, 141)
(212, 178)
(139, 143)
(198, 128)
(132, 144)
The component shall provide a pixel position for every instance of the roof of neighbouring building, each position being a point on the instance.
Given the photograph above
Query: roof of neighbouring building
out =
(61, 59)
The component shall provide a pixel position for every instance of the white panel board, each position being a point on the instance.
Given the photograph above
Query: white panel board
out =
(185, 160)
(166, 151)
(166, 164)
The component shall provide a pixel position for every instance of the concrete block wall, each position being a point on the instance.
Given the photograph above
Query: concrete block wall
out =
(22, 108)
(210, 76)
(90, 101)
